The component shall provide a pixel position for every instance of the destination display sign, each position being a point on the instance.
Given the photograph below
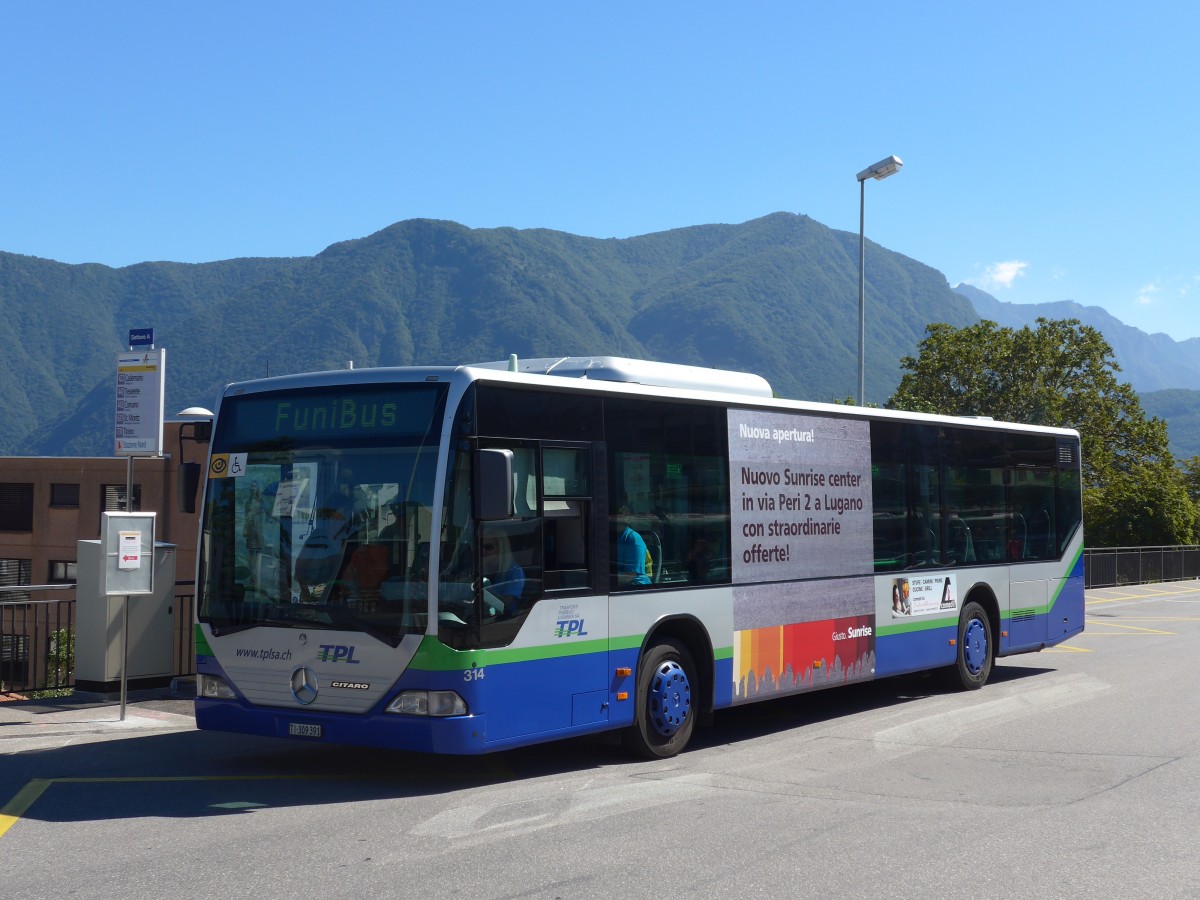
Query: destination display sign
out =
(387, 412)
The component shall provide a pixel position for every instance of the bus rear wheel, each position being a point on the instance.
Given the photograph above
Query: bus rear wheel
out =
(666, 713)
(976, 650)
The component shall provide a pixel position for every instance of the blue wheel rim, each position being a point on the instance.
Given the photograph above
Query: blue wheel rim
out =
(975, 646)
(670, 698)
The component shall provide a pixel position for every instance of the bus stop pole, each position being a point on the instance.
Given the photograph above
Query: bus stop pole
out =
(125, 599)
(124, 652)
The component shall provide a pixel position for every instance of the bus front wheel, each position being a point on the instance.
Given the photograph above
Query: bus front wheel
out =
(666, 713)
(976, 650)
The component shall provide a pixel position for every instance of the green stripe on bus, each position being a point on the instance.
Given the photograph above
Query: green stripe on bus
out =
(910, 627)
(1062, 582)
(626, 642)
(434, 656)
(202, 648)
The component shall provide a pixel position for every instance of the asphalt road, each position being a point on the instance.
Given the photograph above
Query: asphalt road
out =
(1074, 773)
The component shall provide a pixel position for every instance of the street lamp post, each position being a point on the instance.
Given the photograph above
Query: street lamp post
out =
(879, 171)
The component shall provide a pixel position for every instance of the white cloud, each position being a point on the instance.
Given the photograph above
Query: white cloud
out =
(1146, 295)
(1002, 274)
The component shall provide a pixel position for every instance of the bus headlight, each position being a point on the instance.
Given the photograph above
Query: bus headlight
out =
(428, 703)
(213, 688)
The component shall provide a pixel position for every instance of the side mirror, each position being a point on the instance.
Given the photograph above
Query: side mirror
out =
(493, 485)
(186, 483)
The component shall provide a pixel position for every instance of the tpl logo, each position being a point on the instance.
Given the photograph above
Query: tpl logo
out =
(569, 628)
(336, 653)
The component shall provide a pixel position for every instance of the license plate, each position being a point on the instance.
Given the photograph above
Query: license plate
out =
(299, 729)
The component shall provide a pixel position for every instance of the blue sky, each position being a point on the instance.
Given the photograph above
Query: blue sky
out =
(1048, 147)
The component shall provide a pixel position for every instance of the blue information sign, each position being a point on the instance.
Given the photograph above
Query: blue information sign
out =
(142, 337)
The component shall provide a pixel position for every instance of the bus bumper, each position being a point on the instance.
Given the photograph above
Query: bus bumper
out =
(456, 734)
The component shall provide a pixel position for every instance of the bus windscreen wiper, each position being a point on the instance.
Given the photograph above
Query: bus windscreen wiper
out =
(221, 630)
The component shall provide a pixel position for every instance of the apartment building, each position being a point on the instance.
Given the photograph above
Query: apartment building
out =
(48, 503)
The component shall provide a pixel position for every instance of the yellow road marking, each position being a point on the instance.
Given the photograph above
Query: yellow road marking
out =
(25, 798)
(12, 811)
(1148, 593)
(1126, 629)
(1067, 648)
(28, 795)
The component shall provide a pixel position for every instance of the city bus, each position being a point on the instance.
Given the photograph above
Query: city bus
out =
(468, 559)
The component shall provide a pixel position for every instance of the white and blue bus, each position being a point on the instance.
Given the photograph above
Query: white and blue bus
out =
(462, 560)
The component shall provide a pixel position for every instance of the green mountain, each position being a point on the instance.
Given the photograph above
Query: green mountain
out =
(1180, 408)
(777, 296)
(61, 327)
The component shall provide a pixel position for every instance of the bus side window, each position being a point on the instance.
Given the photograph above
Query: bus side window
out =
(925, 526)
(1031, 494)
(668, 474)
(510, 554)
(524, 533)
(566, 544)
(566, 507)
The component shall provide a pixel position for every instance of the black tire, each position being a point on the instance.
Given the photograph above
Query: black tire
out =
(666, 702)
(976, 650)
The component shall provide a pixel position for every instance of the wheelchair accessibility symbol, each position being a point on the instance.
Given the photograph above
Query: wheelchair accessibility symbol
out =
(227, 465)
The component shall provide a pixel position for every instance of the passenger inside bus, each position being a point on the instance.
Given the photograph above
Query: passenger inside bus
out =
(631, 553)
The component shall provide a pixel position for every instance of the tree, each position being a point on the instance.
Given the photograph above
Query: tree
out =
(1191, 478)
(1061, 373)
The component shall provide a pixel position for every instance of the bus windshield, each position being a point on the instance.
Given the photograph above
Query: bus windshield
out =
(318, 510)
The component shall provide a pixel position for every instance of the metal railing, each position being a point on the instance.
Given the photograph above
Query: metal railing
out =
(1114, 566)
(37, 636)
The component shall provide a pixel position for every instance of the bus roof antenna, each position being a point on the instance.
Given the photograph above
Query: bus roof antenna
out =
(512, 363)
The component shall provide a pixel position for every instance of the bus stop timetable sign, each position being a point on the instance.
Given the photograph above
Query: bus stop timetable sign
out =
(128, 542)
(141, 381)
(130, 554)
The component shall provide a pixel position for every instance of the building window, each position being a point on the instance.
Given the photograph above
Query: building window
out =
(15, 572)
(16, 507)
(64, 496)
(62, 571)
(112, 498)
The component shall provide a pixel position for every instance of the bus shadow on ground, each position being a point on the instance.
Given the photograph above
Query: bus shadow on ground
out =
(197, 774)
(760, 719)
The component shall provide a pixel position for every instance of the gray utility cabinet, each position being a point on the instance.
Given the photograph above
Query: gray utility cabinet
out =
(98, 639)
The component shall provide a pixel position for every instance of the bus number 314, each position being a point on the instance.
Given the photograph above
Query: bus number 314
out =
(473, 675)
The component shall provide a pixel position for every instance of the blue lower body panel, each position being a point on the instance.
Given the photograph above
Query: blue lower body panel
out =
(914, 651)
